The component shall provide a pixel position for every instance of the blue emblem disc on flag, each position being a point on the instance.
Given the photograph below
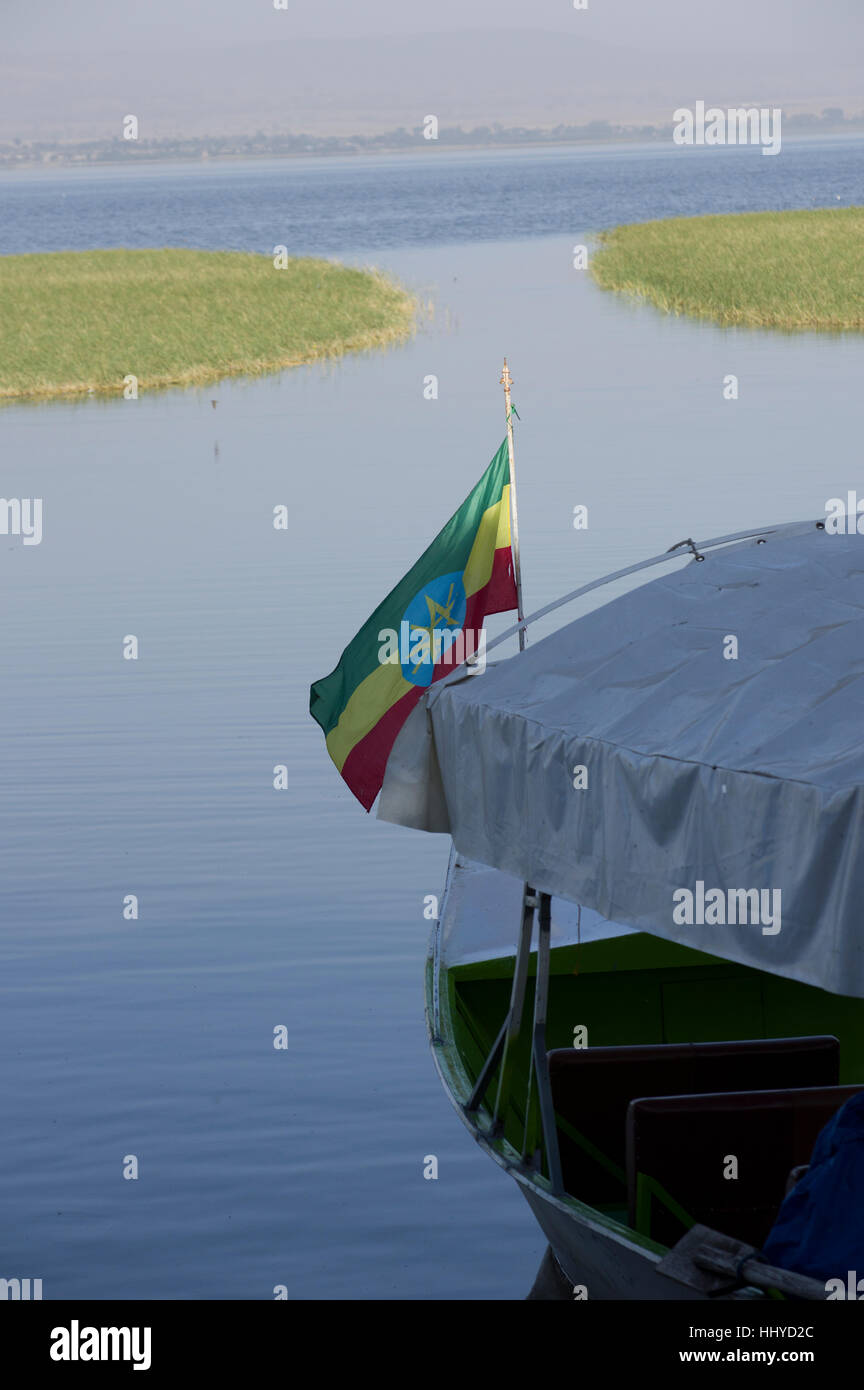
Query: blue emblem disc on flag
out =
(434, 617)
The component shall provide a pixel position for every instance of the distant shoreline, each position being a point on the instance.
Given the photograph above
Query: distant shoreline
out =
(230, 150)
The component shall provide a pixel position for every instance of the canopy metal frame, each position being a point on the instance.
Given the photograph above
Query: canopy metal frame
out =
(674, 552)
(500, 1054)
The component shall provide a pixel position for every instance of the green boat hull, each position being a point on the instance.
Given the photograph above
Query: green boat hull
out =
(628, 989)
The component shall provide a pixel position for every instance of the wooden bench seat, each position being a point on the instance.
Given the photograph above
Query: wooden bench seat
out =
(680, 1148)
(592, 1088)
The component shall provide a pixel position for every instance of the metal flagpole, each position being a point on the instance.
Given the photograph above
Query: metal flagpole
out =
(507, 382)
(512, 1025)
(501, 1054)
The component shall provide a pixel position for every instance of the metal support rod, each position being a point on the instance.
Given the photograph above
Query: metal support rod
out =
(507, 382)
(517, 1005)
(488, 1067)
(528, 1128)
(663, 559)
(541, 1065)
(511, 1025)
(436, 954)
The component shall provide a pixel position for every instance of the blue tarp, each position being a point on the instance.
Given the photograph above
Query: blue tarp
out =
(820, 1227)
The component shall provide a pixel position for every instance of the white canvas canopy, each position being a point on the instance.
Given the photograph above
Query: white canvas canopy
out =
(712, 721)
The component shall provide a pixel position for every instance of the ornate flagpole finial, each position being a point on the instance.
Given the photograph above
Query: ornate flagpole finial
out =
(506, 378)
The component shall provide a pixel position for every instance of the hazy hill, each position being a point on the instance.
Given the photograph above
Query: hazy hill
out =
(346, 86)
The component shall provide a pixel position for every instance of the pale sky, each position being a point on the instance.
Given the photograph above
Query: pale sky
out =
(771, 27)
(70, 69)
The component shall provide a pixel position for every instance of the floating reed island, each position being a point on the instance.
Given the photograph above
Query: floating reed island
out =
(86, 321)
(786, 270)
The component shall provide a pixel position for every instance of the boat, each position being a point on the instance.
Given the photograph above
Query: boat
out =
(645, 981)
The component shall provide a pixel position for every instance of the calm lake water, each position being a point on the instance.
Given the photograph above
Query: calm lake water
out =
(261, 908)
(337, 206)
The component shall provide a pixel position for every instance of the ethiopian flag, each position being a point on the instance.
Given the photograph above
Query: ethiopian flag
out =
(423, 629)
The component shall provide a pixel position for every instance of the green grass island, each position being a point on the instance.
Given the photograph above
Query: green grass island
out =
(783, 270)
(82, 322)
